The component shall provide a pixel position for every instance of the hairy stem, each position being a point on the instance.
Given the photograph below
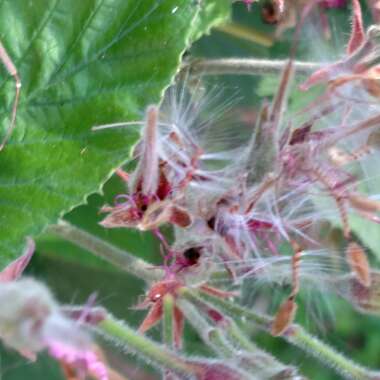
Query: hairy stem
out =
(212, 336)
(168, 330)
(247, 66)
(254, 357)
(264, 360)
(167, 320)
(118, 331)
(116, 256)
(295, 335)
(347, 368)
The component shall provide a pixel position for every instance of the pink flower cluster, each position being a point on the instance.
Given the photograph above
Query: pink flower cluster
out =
(84, 361)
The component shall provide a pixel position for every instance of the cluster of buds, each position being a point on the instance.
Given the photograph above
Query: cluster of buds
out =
(239, 207)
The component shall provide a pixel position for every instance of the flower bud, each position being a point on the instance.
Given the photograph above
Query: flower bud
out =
(357, 259)
(284, 317)
(217, 371)
(364, 299)
(26, 306)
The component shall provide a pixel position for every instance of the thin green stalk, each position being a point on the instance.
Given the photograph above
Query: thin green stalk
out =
(262, 360)
(212, 336)
(168, 330)
(229, 343)
(116, 256)
(247, 66)
(255, 358)
(118, 331)
(347, 368)
(229, 308)
(121, 334)
(237, 336)
(215, 339)
(167, 321)
(295, 335)
(220, 342)
(246, 33)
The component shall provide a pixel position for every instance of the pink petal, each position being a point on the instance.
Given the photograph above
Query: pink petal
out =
(15, 269)
(153, 317)
(326, 74)
(357, 32)
(82, 360)
(217, 292)
(320, 76)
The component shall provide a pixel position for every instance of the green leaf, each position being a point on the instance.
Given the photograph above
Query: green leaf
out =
(81, 64)
(213, 12)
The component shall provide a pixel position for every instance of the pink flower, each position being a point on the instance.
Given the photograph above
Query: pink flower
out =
(84, 361)
(15, 269)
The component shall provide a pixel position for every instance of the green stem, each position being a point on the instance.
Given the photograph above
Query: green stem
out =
(262, 360)
(229, 308)
(240, 338)
(295, 335)
(168, 330)
(347, 368)
(200, 324)
(118, 331)
(246, 33)
(258, 360)
(116, 256)
(220, 344)
(248, 66)
(167, 320)
(212, 336)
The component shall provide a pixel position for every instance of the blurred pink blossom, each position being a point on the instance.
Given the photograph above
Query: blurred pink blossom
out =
(84, 361)
(33, 321)
(15, 269)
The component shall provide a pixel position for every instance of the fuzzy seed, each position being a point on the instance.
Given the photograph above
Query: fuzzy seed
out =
(357, 259)
(284, 317)
(374, 139)
(363, 203)
(180, 217)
